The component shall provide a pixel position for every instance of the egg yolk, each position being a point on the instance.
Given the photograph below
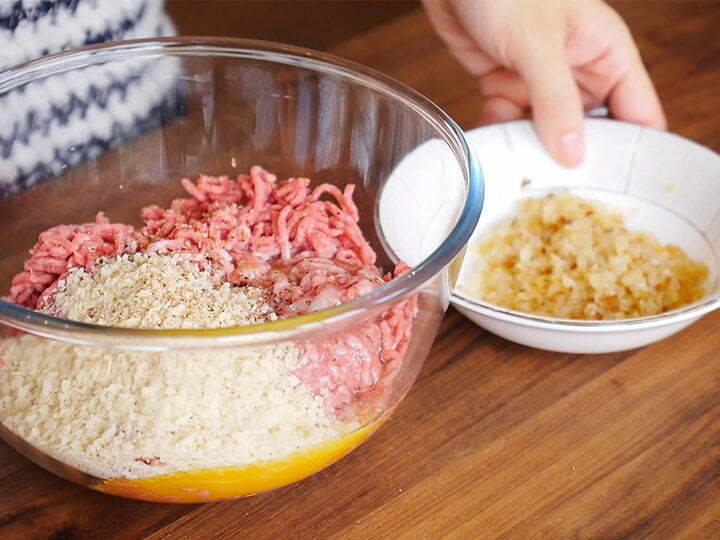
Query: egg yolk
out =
(230, 482)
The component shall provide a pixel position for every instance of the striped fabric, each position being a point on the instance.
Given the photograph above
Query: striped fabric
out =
(52, 124)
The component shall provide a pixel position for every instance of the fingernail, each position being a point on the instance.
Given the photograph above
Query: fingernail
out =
(571, 149)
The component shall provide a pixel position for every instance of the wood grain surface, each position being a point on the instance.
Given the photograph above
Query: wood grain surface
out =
(494, 439)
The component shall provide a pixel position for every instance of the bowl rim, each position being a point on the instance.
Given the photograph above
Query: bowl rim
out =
(692, 311)
(326, 320)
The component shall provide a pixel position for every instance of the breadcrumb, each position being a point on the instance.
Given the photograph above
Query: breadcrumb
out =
(114, 413)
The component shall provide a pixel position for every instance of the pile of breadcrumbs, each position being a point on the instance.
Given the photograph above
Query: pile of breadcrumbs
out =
(562, 256)
(131, 414)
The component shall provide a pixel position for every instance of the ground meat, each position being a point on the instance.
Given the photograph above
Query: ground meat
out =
(365, 357)
(303, 246)
(63, 248)
(254, 225)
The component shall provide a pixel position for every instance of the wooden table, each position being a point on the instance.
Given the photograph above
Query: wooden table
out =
(495, 439)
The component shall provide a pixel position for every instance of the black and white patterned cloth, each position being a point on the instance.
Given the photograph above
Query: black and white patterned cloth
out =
(52, 124)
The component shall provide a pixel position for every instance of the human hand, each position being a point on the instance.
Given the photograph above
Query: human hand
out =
(558, 57)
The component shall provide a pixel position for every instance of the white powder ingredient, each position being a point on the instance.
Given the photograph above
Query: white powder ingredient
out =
(133, 414)
(153, 292)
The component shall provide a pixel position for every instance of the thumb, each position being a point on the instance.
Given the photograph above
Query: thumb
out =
(555, 98)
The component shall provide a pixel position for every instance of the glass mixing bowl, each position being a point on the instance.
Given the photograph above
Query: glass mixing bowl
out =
(152, 112)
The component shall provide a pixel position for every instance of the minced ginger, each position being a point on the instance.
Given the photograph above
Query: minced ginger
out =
(566, 257)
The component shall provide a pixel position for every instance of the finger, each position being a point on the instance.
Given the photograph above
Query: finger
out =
(634, 98)
(631, 95)
(499, 109)
(461, 45)
(554, 96)
(505, 83)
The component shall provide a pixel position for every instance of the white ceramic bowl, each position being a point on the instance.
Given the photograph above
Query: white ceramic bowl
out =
(661, 182)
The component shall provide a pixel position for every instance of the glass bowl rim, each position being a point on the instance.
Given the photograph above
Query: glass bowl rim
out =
(326, 320)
